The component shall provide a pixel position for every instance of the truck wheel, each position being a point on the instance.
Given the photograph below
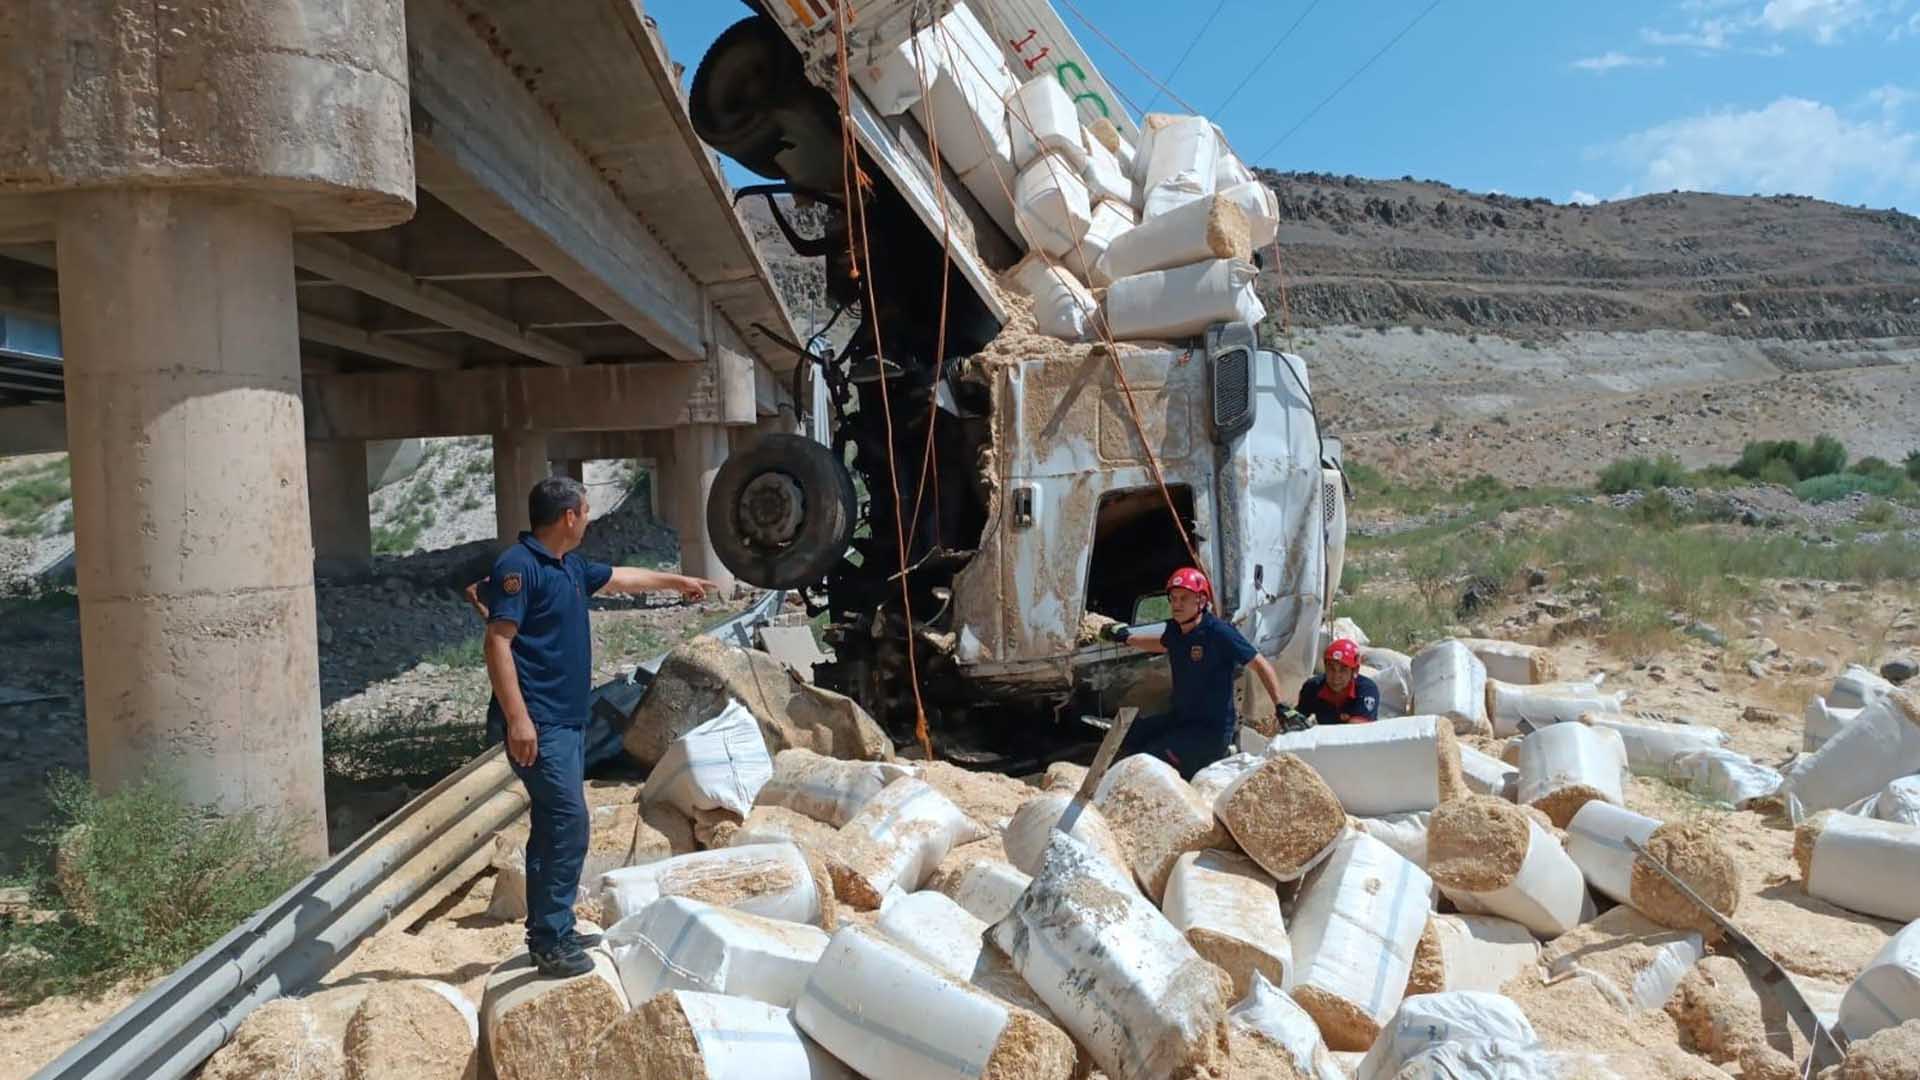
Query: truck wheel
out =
(780, 515)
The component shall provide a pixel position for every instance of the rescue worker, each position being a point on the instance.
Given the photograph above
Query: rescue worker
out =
(1206, 654)
(1342, 695)
(538, 650)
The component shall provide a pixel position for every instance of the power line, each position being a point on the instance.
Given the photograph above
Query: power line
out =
(1325, 101)
(1180, 63)
(1255, 70)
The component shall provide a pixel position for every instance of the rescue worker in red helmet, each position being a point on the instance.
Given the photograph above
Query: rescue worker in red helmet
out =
(1342, 695)
(1206, 654)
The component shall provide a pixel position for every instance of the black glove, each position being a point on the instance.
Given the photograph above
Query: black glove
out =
(1292, 719)
(1116, 632)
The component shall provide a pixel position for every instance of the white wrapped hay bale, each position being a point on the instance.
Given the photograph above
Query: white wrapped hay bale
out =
(988, 889)
(1653, 745)
(539, 1027)
(1157, 817)
(1564, 766)
(1464, 1018)
(1490, 857)
(897, 839)
(1183, 159)
(887, 1013)
(774, 880)
(1481, 952)
(1857, 687)
(1879, 746)
(693, 1036)
(1485, 774)
(1042, 120)
(1283, 816)
(1062, 306)
(1861, 864)
(966, 97)
(1405, 833)
(992, 182)
(1105, 176)
(1898, 801)
(1110, 219)
(824, 788)
(1387, 767)
(1271, 1013)
(1636, 964)
(1207, 228)
(1723, 776)
(1213, 781)
(1051, 205)
(1515, 708)
(1512, 662)
(1449, 681)
(1886, 993)
(720, 765)
(1392, 672)
(1114, 971)
(1028, 832)
(1229, 910)
(1183, 301)
(1822, 721)
(934, 928)
(1356, 921)
(1597, 842)
(681, 944)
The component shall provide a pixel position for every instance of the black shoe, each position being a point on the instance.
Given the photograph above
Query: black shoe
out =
(583, 941)
(563, 961)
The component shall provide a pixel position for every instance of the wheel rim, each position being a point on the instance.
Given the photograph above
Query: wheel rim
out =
(772, 509)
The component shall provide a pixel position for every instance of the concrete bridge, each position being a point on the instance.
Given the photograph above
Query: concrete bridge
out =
(272, 231)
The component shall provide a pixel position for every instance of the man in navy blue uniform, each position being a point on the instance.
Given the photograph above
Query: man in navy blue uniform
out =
(1342, 695)
(1206, 654)
(539, 659)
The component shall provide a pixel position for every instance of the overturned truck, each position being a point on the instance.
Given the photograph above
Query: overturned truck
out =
(1027, 489)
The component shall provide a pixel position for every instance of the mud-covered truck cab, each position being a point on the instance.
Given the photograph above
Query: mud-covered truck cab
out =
(987, 495)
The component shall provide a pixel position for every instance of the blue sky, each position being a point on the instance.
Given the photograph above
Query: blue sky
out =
(1573, 101)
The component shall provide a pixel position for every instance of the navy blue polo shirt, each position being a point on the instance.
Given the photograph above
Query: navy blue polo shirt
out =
(1205, 663)
(1359, 705)
(546, 597)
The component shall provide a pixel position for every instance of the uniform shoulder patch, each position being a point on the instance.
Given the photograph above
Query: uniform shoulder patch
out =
(510, 584)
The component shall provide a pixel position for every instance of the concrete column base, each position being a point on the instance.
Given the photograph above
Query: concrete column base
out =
(698, 451)
(337, 496)
(193, 555)
(519, 462)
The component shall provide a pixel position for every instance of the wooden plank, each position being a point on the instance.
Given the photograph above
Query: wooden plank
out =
(485, 147)
(341, 262)
(325, 331)
(1109, 749)
(479, 401)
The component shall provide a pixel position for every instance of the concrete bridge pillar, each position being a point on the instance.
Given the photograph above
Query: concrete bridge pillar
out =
(698, 451)
(571, 468)
(170, 151)
(519, 461)
(337, 499)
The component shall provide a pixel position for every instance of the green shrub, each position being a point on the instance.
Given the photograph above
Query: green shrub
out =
(1395, 622)
(1870, 465)
(1835, 486)
(1913, 466)
(1657, 510)
(1879, 512)
(1482, 488)
(1642, 474)
(1776, 472)
(148, 879)
(1825, 455)
(29, 494)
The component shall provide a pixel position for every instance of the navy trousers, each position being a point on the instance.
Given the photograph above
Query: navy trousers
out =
(557, 844)
(1187, 747)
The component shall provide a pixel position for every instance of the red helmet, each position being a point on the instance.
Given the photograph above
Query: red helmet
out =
(1344, 651)
(1193, 581)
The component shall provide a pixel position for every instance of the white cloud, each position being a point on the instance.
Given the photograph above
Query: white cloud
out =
(1720, 25)
(1710, 34)
(1792, 146)
(1891, 99)
(1606, 62)
(1824, 20)
(1583, 198)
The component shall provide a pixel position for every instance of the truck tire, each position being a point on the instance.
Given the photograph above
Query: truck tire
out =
(781, 514)
(751, 100)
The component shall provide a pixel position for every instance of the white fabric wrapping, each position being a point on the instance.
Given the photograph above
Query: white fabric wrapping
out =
(1104, 175)
(1181, 302)
(786, 886)
(1113, 970)
(1051, 205)
(1405, 833)
(1213, 781)
(1857, 687)
(1564, 755)
(1652, 745)
(1028, 832)
(934, 928)
(1183, 235)
(1723, 776)
(1822, 721)
(1062, 306)
(1356, 922)
(910, 827)
(1425, 1021)
(989, 888)
(741, 1039)
(1448, 680)
(1488, 775)
(1510, 661)
(1515, 708)
(1228, 896)
(887, 1013)
(1042, 119)
(993, 182)
(1269, 1011)
(1886, 993)
(1898, 801)
(1185, 155)
(1393, 674)
(679, 944)
(1881, 745)
(969, 115)
(1597, 841)
(1868, 866)
(1386, 767)
(720, 765)
(1547, 896)
(1483, 952)
(1110, 219)
(824, 788)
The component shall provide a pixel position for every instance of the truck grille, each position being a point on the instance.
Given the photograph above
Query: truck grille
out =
(1232, 393)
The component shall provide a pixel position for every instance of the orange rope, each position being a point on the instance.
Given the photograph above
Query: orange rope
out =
(929, 459)
(859, 207)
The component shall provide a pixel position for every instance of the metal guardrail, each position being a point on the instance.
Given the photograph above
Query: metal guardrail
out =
(287, 946)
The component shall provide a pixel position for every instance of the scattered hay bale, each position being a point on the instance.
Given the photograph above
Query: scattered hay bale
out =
(1157, 817)
(414, 1028)
(1491, 858)
(1229, 911)
(538, 1028)
(1283, 816)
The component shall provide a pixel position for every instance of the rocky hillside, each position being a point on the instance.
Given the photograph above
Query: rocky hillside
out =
(1420, 253)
